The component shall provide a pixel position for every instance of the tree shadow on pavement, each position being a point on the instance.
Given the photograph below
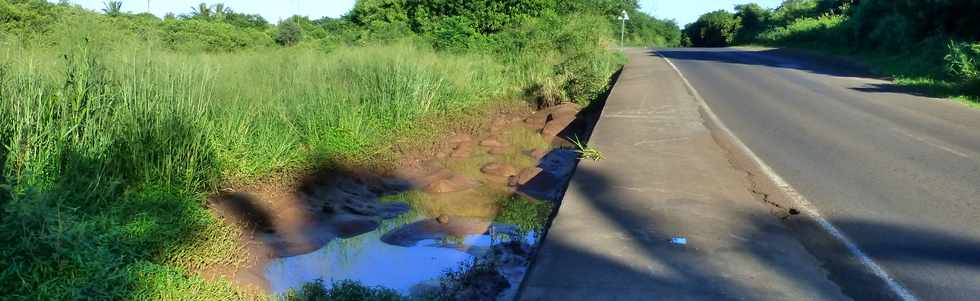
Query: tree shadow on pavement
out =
(812, 63)
(683, 276)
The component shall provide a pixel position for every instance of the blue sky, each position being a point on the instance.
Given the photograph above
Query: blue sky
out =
(684, 11)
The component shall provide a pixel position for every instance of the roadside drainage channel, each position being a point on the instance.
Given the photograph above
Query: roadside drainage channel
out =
(413, 251)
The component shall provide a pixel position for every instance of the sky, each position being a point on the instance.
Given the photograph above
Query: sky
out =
(683, 11)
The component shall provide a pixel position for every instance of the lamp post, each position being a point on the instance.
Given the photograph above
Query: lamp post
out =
(622, 30)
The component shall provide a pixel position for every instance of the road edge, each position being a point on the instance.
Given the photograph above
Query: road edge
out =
(790, 193)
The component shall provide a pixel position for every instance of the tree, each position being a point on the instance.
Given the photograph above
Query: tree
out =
(754, 19)
(113, 8)
(289, 34)
(714, 29)
(202, 11)
(220, 10)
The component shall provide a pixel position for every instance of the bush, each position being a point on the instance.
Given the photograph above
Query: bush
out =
(455, 33)
(963, 63)
(714, 29)
(209, 36)
(826, 29)
(289, 34)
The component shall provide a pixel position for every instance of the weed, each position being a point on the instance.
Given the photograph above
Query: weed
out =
(527, 214)
(585, 151)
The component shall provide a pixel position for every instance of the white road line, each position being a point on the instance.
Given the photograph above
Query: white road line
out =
(935, 144)
(795, 196)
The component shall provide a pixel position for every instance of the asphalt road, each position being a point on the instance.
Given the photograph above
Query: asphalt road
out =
(897, 172)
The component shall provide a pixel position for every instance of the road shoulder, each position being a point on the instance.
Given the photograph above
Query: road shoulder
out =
(664, 178)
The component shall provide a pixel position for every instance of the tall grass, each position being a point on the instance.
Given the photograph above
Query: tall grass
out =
(106, 152)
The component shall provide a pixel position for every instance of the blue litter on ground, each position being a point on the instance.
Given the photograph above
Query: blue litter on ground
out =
(679, 240)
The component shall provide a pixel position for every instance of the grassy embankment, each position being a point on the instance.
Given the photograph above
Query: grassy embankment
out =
(114, 126)
(110, 148)
(108, 152)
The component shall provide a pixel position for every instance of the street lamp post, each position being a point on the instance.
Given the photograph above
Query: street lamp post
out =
(622, 30)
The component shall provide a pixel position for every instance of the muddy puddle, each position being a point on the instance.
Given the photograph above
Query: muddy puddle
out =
(474, 206)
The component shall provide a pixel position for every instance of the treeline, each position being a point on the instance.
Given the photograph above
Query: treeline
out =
(448, 24)
(927, 40)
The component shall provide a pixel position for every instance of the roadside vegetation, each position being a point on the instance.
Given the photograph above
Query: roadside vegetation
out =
(932, 46)
(114, 126)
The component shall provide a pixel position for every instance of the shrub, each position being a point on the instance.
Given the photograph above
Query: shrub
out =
(714, 29)
(826, 29)
(454, 34)
(963, 63)
(210, 36)
(289, 34)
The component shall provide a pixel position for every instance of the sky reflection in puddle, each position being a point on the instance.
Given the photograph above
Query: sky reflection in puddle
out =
(370, 261)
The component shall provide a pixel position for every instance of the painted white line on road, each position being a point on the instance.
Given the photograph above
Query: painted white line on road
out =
(935, 144)
(795, 196)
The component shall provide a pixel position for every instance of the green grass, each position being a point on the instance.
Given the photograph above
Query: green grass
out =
(110, 140)
(527, 214)
(106, 152)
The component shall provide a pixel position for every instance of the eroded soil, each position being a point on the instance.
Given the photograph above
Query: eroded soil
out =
(447, 195)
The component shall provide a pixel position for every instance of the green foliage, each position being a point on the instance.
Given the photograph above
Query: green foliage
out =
(963, 62)
(528, 214)
(714, 29)
(645, 30)
(113, 8)
(289, 34)
(455, 33)
(114, 127)
(345, 290)
(193, 34)
(754, 20)
(825, 28)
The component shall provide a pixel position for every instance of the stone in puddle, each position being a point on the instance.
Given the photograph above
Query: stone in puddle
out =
(443, 219)
(451, 184)
(499, 169)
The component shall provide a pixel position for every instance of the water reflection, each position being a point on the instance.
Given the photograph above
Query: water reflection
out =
(369, 260)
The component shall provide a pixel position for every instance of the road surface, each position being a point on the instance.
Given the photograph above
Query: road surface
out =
(665, 216)
(896, 172)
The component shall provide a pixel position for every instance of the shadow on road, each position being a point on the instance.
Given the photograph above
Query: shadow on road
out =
(687, 279)
(812, 63)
